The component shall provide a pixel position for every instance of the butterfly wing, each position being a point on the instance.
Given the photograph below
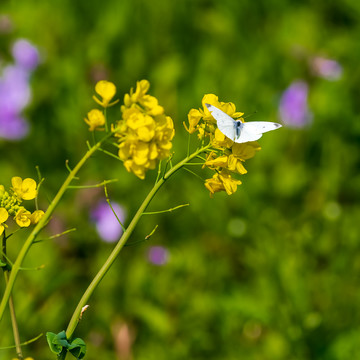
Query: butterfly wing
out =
(246, 135)
(251, 131)
(225, 123)
(260, 127)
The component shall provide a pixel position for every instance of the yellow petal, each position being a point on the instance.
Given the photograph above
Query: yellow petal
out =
(16, 182)
(106, 90)
(22, 218)
(3, 215)
(36, 216)
(95, 119)
(29, 189)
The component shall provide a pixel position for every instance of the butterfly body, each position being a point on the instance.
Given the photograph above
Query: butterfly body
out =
(238, 131)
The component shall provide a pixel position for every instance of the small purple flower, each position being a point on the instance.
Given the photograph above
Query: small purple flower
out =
(13, 127)
(326, 68)
(158, 255)
(15, 93)
(293, 108)
(25, 54)
(107, 225)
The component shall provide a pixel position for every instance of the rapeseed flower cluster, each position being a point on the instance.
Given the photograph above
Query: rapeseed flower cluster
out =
(226, 157)
(10, 203)
(145, 132)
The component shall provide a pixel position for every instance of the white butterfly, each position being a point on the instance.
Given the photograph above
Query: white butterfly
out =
(238, 131)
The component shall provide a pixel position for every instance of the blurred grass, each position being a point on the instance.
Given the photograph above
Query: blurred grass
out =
(271, 272)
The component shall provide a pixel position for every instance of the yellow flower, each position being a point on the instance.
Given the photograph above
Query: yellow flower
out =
(222, 182)
(220, 140)
(245, 151)
(234, 164)
(36, 216)
(95, 119)
(145, 132)
(212, 161)
(23, 217)
(3, 217)
(201, 120)
(142, 87)
(24, 189)
(194, 116)
(106, 90)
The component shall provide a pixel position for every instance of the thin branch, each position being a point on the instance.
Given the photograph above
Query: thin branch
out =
(147, 237)
(69, 169)
(92, 186)
(191, 172)
(22, 344)
(159, 172)
(109, 153)
(108, 201)
(164, 211)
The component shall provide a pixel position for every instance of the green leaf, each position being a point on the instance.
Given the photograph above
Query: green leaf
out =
(78, 348)
(57, 341)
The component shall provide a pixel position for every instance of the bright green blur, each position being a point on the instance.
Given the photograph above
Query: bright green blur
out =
(269, 273)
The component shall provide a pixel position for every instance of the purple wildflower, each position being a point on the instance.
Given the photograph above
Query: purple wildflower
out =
(158, 255)
(326, 68)
(13, 127)
(107, 225)
(15, 92)
(25, 54)
(293, 108)
(14, 89)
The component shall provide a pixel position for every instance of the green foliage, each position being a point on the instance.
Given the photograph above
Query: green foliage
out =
(271, 272)
(58, 343)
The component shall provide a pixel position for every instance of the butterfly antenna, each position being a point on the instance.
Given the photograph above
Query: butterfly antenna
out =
(248, 115)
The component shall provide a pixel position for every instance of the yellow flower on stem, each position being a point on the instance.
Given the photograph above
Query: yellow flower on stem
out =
(220, 141)
(145, 132)
(245, 151)
(222, 182)
(23, 217)
(3, 217)
(95, 119)
(235, 164)
(194, 116)
(36, 216)
(201, 119)
(106, 90)
(24, 189)
(142, 87)
(213, 162)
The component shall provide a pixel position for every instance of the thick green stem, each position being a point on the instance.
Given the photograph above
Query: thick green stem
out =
(124, 238)
(29, 241)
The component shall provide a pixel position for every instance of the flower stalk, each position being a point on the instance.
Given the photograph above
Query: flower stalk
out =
(41, 224)
(124, 238)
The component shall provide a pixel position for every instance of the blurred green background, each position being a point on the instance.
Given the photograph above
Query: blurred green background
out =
(271, 272)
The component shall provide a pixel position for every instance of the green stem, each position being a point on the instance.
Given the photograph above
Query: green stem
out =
(11, 306)
(43, 221)
(124, 238)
